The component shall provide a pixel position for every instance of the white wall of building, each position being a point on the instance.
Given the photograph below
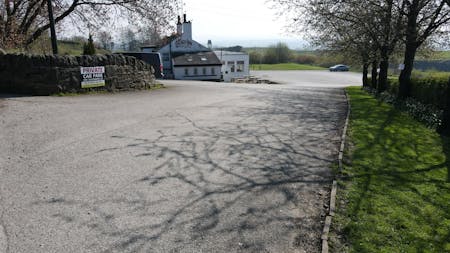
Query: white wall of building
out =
(234, 64)
(184, 44)
(197, 73)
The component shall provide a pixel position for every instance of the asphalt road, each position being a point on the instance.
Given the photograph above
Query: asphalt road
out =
(312, 78)
(194, 167)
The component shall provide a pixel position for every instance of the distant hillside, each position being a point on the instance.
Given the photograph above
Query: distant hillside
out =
(65, 47)
(75, 48)
(441, 55)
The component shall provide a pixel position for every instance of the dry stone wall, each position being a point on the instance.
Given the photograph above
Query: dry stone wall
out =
(49, 74)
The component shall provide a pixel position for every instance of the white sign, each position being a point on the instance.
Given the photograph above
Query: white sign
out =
(401, 66)
(92, 76)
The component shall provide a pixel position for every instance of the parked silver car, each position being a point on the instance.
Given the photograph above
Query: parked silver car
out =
(339, 67)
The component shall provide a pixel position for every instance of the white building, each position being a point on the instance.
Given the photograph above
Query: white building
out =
(197, 66)
(234, 64)
(183, 55)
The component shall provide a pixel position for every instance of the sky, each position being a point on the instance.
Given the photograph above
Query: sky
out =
(247, 23)
(238, 22)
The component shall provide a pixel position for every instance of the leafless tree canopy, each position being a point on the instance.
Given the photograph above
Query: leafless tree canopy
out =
(23, 21)
(370, 30)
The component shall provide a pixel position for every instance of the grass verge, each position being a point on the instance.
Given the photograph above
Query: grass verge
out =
(284, 66)
(395, 186)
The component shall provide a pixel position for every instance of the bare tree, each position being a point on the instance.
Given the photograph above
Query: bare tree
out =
(105, 39)
(23, 21)
(424, 19)
(390, 22)
(341, 33)
(385, 26)
(150, 34)
(129, 41)
(367, 31)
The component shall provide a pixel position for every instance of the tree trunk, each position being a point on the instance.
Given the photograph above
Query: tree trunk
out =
(404, 90)
(365, 73)
(374, 74)
(386, 48)
(383, 75)
(445, 127)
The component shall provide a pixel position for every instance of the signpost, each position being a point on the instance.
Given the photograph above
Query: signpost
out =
(92, 77)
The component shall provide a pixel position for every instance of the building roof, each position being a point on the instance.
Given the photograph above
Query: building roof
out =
(196, 59)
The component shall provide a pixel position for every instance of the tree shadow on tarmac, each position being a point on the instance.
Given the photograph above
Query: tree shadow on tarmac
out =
(255, 180)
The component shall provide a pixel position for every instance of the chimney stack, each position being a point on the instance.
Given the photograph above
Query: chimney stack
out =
(187, 29)
(210, 44)
(179, 26)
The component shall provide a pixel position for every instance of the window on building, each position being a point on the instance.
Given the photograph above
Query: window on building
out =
(195, 71)
(213, 71)
(204, 71)
(231, 66)
(186, 71)
(240, 66)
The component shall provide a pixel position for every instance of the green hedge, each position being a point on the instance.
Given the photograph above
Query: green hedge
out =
(427, 89)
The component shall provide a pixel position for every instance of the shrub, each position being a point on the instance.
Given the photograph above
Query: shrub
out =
(393, 84)
(425, 113)
(89, 47)
(305, 59)
(427, 101)
(255, 57)
(278, 53)
(327, 60)
(430, 90)
(426, 88)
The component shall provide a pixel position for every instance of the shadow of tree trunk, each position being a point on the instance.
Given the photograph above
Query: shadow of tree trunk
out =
(446, 149)
(445, 131)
